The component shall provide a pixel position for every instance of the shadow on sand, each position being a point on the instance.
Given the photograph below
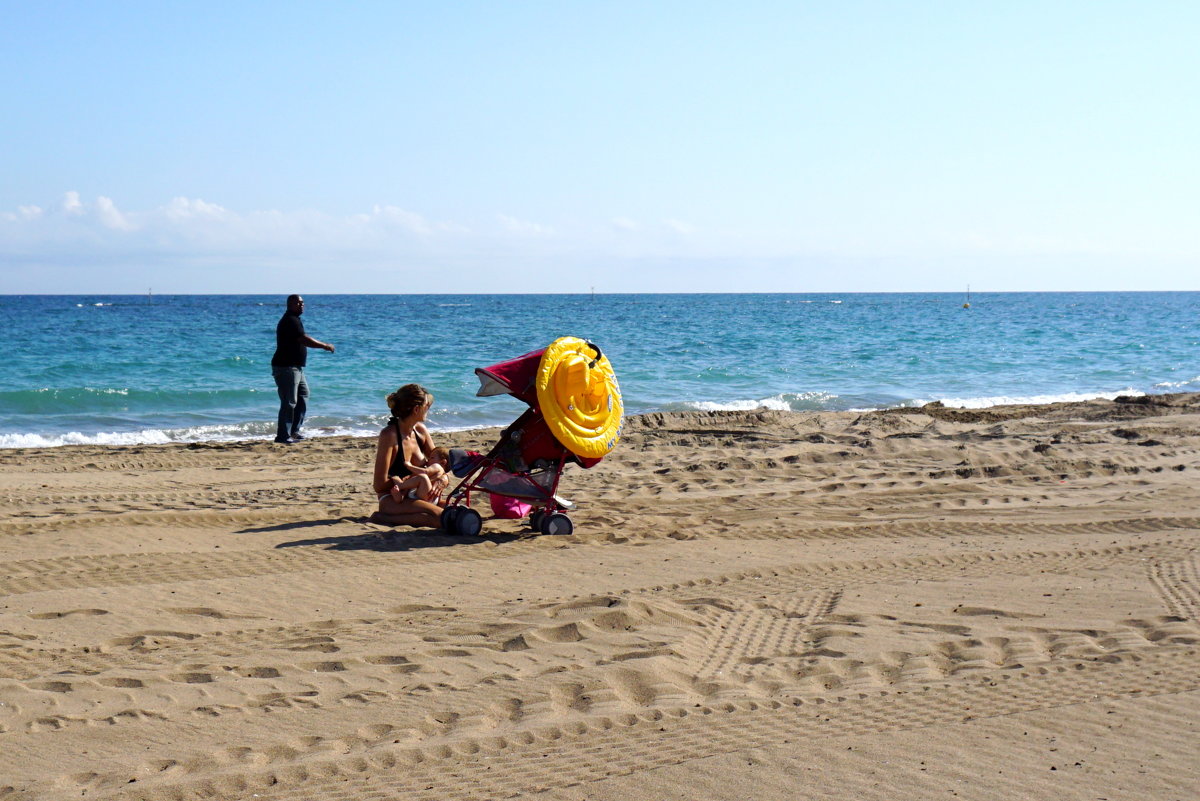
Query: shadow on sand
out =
(413, 540)
(329, 521)
(397, 539)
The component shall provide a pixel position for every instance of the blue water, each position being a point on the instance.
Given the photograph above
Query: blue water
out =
(131, 369)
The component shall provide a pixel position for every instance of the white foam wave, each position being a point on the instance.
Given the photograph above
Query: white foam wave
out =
(146, 437)
(784, 403)
(802, 401)
(736, 406)
(95, 390)
(1178, 384)
(215, 433)
(816, 401)
(1011, 400)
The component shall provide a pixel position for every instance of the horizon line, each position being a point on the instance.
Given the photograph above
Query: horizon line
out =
(606, 294)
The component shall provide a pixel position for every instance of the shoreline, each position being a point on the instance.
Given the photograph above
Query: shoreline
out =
(945, 411)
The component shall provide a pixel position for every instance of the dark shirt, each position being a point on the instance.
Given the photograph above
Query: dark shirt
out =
(290, 350)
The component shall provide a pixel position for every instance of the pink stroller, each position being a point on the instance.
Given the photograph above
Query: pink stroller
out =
(527, 463)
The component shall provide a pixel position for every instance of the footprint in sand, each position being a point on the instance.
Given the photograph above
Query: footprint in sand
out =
(204, 611)
(68, 613)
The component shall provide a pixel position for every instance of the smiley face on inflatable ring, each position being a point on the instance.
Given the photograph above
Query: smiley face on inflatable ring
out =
(579, 397)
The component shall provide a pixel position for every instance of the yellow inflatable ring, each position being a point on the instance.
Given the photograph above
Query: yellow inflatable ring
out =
(579, 397)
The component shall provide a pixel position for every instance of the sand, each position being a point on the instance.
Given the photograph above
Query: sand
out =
(908, 604)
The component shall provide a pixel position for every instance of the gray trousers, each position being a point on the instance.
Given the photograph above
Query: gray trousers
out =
(293, 400)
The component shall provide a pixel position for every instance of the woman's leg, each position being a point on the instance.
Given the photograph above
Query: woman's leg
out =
(416, 513)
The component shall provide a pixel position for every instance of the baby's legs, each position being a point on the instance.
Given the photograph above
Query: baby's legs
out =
(415, 486)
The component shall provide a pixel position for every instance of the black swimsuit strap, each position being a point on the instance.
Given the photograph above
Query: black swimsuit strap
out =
(399, 466)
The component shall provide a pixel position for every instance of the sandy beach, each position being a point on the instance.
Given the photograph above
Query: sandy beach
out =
(907, 604)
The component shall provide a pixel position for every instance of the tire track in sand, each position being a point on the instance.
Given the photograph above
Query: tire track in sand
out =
(500, 766)
(38, 575)
(1178, 583)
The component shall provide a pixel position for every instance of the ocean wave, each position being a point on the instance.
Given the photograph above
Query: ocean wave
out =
(1014, 400)
(60, 400)
(1191, 382)
(74, 393)
(452, 421)
(828, 401)
(785, 402)
(147, 437)
(241, 432)
(156, 436)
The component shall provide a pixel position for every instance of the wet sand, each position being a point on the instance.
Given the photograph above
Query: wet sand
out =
(907, 604)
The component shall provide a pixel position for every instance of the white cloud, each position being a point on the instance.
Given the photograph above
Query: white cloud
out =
(523, 227)
(192, 226)
(218, 248)
(182, 208)
(110, 216)
(191, 244)
(394, 215)
(680, 227)
(71, 203)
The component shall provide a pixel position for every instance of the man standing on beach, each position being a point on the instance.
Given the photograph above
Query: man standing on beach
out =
(287, 365)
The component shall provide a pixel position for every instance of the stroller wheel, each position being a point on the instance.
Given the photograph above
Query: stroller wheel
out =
(468, 522)
(535, 519)
(449, 516)
(556, 525)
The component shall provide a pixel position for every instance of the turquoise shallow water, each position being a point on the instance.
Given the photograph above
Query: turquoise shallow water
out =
(130, 369)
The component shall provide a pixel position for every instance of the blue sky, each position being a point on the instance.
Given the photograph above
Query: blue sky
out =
(560, 146)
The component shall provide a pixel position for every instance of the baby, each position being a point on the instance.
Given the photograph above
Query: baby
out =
(439, 457)
(427, 484)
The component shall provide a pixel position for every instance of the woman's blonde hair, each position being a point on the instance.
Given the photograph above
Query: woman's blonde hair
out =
(408, 399)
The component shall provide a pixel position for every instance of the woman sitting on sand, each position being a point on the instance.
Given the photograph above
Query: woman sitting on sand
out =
(406, 482)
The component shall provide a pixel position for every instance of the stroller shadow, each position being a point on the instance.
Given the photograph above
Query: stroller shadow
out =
(397, 540)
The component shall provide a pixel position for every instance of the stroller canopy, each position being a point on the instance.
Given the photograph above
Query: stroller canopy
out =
(514, 377)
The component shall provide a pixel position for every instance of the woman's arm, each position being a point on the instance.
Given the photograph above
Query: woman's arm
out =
(424, 438)
(385, 452)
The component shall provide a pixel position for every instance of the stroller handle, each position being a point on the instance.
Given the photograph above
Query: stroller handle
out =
(599, 353)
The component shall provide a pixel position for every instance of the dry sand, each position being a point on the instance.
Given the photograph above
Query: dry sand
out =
(909, 604)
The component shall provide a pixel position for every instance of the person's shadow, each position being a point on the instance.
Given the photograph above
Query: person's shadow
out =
(401, 539)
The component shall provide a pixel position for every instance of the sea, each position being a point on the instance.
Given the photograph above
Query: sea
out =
(128, 369)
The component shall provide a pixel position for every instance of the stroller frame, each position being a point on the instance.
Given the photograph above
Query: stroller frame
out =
(536, 485)
(496, 473)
